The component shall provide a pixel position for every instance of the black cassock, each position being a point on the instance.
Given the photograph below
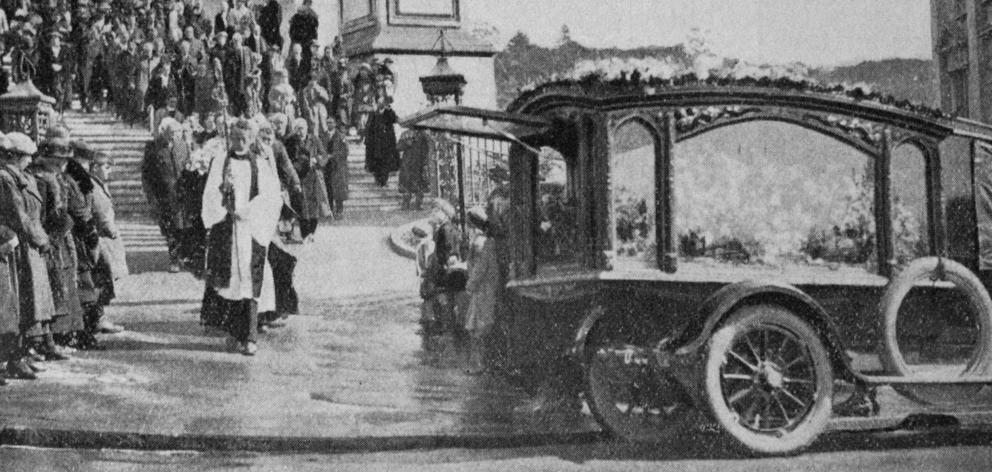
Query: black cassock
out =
(381, 157)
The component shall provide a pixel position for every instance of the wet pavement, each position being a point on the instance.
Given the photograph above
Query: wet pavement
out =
(349, 373)
(352, 364)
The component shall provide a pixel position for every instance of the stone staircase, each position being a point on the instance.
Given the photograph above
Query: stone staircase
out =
(125, 144)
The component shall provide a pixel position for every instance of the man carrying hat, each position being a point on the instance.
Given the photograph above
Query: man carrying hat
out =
(20, 211)
(241, 206)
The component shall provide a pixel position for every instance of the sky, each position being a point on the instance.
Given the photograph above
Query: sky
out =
(816, 32)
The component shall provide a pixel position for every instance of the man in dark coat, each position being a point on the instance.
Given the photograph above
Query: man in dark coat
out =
(237, 66)
(160, 172)
(53, 66)
(415, 149)
(381, 157)
(336, 170)
(303, 31)
(162, 87)
(270, 19)
(87, 239)
(184, 71)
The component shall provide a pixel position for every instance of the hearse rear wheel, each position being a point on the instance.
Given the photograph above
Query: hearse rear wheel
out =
(768, 381)
(630, 400)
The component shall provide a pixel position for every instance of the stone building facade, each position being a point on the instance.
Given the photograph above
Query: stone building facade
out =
(962, 52)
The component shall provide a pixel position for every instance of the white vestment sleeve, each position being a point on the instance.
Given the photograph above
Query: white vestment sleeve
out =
(267, 205)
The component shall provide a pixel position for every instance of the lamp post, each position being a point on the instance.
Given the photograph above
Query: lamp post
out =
(440, 85)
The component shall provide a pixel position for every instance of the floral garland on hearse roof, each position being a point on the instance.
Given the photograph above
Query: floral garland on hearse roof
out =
(624, 82)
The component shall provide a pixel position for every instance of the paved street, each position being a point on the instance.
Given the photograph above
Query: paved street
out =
(922, 453)
(350, 374)
(351, 365)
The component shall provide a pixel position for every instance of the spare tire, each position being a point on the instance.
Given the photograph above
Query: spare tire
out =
(979, 362)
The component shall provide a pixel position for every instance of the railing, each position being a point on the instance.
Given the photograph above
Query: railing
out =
(479, 155)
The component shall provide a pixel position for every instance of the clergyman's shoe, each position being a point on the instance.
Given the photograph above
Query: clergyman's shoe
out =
(36, 366)
(250, 349)
(20, 370)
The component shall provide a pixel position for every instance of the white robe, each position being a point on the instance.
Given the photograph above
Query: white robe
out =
(263, 216)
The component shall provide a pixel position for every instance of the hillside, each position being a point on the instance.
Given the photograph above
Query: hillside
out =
(522, 63)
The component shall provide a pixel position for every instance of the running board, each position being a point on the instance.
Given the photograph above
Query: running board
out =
(903, 380)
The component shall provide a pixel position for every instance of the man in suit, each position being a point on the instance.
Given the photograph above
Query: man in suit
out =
(270, 19)
(53, 66)
(303, 31)
(237, 66)
(166, 159)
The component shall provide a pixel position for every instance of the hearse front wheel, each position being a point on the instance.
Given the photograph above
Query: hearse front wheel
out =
(632, 401)
(768, 381)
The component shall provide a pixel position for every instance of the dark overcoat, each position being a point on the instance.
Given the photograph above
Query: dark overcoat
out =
(20, 209)
(381, 157)
(336, 170)
(62, 260)
(415, 149)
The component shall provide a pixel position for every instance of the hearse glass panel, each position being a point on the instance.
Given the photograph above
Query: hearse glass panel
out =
(634, 147)
(909, 210)
(774, 198)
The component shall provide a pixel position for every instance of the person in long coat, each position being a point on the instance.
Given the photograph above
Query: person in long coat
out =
(112, 262)
(415, 148)
(303, 31)
(483, 287)
(336, 170)
(54, 65)
(237, 67)
(58, 204)
(270, 20)
(166, 158)
(309, 160)
(381, 157)
(20, 210)
(312, 106)
(10, 311)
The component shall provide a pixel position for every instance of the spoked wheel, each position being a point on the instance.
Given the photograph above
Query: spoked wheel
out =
(768, 380)
(630, 400)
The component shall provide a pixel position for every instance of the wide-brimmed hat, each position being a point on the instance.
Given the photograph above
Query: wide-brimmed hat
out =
(20, 143)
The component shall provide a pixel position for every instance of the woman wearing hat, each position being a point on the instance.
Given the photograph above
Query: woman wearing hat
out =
(54, 188)
(21, 210)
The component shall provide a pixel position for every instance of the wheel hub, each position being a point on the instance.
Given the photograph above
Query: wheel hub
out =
(769, 376)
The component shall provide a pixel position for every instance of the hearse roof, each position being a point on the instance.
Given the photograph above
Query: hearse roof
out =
(597, 93)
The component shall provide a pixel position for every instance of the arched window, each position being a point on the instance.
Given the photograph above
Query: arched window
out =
(633, 149)
(770, 195)
(910, 228)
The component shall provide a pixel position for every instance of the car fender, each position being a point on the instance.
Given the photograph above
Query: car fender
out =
(593, 315)
(723, 302)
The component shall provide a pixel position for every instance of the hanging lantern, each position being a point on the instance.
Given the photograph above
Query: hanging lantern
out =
(443, 83)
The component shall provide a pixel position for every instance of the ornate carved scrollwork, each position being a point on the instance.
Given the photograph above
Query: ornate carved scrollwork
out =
(692, 119)
(866, 132)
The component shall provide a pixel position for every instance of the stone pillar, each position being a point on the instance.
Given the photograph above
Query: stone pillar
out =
(25, 109)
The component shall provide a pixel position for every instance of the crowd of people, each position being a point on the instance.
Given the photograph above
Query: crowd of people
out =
(60, 250)
(249, 153)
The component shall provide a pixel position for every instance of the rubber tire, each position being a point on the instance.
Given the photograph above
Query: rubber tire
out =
(739, 322)
(681, 421)
(892, 359)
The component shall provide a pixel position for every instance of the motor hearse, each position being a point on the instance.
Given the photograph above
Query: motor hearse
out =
(737, 250)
